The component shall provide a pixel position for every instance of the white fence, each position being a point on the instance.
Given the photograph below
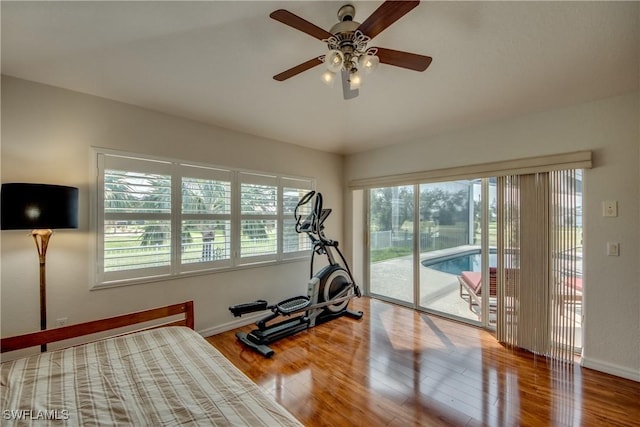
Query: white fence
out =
(429, 240)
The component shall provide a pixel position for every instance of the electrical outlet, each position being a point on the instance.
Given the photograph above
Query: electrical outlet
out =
(62, 321)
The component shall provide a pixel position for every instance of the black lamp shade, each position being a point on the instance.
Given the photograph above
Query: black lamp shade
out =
(38, 206)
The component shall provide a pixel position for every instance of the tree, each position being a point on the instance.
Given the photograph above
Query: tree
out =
(259, 200)
(117, 192)
(153, 193)
(391, 207)
(444, 207)
(154, 235)
(204, 197)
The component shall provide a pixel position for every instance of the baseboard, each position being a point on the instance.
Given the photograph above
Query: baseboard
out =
(242, 321)
(610, 368)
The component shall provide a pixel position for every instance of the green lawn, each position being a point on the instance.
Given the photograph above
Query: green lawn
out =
(121, 249)
(388, 253)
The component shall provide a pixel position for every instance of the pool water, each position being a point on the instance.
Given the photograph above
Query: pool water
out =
(463, 262)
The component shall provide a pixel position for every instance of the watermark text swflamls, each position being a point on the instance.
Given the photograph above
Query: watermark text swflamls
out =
(30, 414)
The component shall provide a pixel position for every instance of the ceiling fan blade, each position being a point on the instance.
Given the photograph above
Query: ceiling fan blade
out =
(412, 61)
(298, 23)
(347, 92)
(298, 69)
(385, 15)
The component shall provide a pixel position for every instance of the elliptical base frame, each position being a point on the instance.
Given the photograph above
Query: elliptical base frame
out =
(292, 327)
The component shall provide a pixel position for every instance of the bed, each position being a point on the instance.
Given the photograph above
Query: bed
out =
(164, 376)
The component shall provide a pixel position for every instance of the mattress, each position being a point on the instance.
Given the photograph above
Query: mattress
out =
(161, 377)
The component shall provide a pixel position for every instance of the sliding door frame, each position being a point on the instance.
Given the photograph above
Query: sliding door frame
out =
(546, 163)
(415, 304)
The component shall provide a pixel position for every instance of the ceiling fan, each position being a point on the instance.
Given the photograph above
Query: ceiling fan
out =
(347, 43)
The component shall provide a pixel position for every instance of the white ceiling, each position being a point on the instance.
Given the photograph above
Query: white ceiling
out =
(214, 61)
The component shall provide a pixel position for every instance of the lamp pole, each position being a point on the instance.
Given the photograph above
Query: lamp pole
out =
(41, 238)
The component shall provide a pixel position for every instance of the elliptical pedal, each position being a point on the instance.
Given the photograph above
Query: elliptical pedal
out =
(262, 349)
(294, 304)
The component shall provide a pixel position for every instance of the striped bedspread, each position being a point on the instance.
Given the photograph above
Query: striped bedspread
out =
(160, 377)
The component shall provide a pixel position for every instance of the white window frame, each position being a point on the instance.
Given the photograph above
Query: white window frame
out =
(266, 180)
(210, 173)
(127, 163)
(178, 169)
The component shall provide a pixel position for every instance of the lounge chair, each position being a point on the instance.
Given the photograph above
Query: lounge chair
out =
(471, 283)
(571, 293)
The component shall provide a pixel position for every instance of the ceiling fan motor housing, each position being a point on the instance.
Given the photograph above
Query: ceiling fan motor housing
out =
(345, 38)
(346, 13)
(346, 24)
(344, 27)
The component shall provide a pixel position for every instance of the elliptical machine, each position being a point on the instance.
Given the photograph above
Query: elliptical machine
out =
(328, 291)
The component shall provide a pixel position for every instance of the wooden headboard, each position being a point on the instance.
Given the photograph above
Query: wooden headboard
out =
(72, 331)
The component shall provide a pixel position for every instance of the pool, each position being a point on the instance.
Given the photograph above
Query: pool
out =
(456, 264)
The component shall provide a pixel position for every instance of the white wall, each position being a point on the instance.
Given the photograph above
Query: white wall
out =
(611, 129)
(47, 133)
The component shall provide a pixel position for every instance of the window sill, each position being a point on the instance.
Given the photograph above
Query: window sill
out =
(163, 278)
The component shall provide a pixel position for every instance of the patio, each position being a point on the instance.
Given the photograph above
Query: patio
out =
(439, 291)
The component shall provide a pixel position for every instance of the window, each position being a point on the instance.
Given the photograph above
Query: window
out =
(163, 218)
(292, 191)
(206, 217)
(136, 219)
(258, 216)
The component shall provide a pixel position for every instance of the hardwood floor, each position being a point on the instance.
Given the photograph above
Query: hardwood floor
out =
(398, 367)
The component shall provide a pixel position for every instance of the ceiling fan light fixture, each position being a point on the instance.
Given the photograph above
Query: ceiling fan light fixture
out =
(334, 60)
(355, 79)
(368, 63)
(328, 78)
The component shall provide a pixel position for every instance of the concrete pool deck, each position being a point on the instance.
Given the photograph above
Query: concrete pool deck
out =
(439, 291)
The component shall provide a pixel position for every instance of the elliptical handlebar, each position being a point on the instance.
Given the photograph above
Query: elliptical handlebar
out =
(312, 224)
(305, 199)
(300, 225)
(317, 215)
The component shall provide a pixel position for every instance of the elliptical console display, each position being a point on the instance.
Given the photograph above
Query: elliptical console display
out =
(328, 290)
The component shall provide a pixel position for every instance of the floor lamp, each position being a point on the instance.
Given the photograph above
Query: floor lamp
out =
(41, 208)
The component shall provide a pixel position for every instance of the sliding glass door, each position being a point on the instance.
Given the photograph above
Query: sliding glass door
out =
(450, 249)
(391, 265)
(434, 247)
(426, 246)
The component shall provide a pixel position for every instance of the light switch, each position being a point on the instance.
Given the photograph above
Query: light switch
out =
(610, 208)
(613, 249)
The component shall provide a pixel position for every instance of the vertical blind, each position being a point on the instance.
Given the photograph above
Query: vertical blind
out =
(566, 261)
(539, 267)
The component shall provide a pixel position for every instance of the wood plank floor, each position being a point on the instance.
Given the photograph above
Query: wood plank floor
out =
(398, 367)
